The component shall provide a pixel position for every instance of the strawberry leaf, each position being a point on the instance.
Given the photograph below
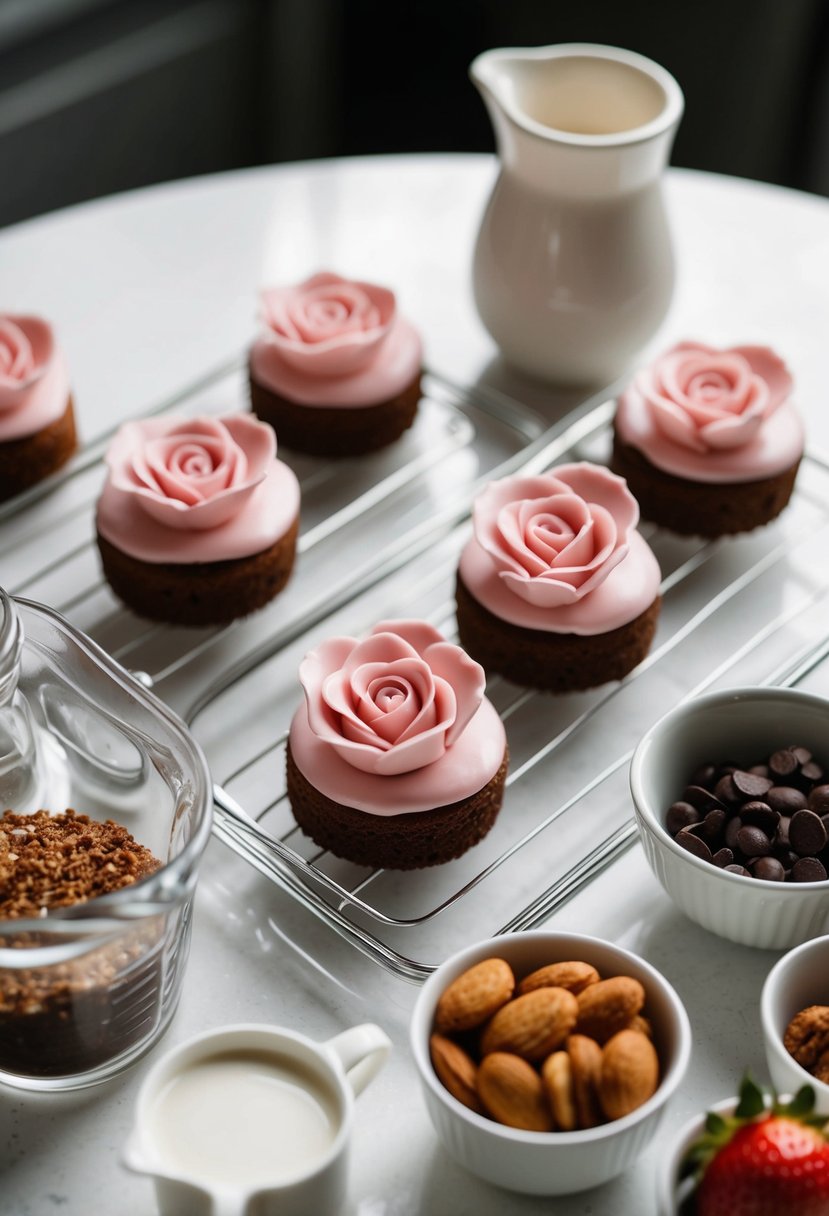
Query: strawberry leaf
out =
(803, 1103)
(715, 1125)
(752, 1100)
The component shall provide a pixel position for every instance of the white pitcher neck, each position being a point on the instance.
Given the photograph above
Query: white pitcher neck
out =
(597, 118)
(581, 93)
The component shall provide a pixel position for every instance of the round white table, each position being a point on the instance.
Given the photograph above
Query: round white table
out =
(149, 289)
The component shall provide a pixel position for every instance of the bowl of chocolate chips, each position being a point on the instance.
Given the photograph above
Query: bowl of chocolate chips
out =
(731, 794)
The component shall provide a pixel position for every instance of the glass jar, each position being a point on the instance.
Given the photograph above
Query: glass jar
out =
(86, 989)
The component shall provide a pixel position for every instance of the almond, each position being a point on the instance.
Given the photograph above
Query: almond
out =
(573, 976)
(641, 1024)
(609, 1006)
(557, 1075)
(630, 1073)
(532, 1025)
(586, 1066)
(512, 1092)
(456, 1070)
(472, 998)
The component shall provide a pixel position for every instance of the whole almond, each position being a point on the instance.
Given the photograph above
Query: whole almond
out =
(641, 1024)
(472, 998)
(575, 977)
(456, 1070)
(557, 1075)
(609, 1006)
(532, 1025)
(512, 1092)
(586, 1066)
(630, 1073)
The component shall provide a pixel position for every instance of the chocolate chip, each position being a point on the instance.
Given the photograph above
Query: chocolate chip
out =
(700, 798)
(760, 815)
(769, 869)
(712, 826)
(786, 799)
(750, 785)
(807, 833)
(735, 869)
(808, 869)
(680, 815)
(693, 844)
(812, 772)
(784, 763)
(782, 837)
(785, 856)
(760, 770)
(732, 828)
(801, 754)
(723, 858)
(705, 775)
(726, 791)
(819, 799)
(753, 841)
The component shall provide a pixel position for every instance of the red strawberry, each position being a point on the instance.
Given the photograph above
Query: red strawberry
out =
(767, 1160)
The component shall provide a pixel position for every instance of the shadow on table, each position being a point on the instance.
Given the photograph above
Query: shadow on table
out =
(449, 1190)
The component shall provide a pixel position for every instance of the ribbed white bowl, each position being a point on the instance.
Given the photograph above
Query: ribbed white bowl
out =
(799, 979)
(551, 1163)
(742, 724)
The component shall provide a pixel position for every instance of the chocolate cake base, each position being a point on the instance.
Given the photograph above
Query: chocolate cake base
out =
(695, 508)
(553, 662)
(395, 842)
(336, 431)
(200, 593)
(24, 462)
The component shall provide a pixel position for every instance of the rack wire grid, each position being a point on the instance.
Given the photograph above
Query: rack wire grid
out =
(747, 609)
(737, 610)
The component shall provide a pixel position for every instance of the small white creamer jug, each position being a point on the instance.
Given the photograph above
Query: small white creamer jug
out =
(573, 267)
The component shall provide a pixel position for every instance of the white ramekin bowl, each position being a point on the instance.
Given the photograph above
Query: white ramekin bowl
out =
(670, 1163)
(741, 725)
(799, 979)
(551, 1163)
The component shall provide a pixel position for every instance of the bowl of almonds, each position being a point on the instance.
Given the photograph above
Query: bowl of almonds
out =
(794, 1011)
(731, 794)
(546, 1058)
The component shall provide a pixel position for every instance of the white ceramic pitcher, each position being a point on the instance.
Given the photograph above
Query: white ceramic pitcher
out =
(573, 268)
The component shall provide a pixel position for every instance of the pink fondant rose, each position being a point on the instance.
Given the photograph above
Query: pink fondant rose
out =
(704, 398)
(328, 326)
(556, 537)
(195, 472)
(392, 703)
(27, 346)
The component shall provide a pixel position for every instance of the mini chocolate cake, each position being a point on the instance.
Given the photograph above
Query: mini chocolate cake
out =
(708, 440)
(37, 420)
(395, 759)
(554, 662)
(333, 431)
(63, 1018)
(200, 593)
(556, 589)
(198, 520)
(336, 370)
(700, 508)
(395, 842)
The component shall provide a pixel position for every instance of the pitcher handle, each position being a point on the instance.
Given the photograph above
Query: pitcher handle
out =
(362, 1051)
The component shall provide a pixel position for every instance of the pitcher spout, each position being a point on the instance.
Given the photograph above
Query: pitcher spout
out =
(580, 99)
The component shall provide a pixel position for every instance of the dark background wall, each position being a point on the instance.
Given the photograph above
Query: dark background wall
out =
(103, 95)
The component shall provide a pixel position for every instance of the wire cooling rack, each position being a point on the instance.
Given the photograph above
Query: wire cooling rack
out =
(357, 517)
(749, 609)
(380, 538)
